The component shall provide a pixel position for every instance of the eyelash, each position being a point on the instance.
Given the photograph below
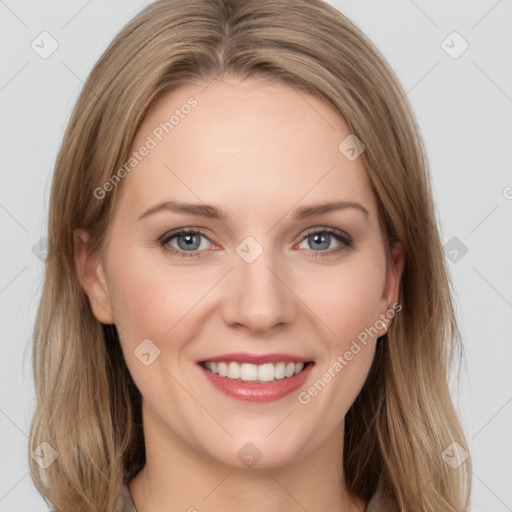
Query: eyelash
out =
(340, 236)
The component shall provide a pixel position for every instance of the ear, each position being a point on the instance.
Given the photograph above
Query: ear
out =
(91, 275)
(394, 272)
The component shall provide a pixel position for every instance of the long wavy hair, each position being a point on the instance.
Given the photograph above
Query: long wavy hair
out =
(88, 408)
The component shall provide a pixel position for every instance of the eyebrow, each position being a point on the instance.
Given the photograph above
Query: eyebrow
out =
(213, 212)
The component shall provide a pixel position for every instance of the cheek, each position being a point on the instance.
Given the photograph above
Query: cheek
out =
(153, 299)
(348, 298)
(349, 305)
(155, 302)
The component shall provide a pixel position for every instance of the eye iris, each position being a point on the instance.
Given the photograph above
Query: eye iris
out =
(322, 239)
(192, 241)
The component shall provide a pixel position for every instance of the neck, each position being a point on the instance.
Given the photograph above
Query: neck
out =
(178, 476)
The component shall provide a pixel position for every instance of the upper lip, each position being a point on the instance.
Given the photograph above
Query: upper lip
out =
(244, 357)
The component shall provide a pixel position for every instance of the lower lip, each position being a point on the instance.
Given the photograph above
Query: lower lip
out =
(258, 391)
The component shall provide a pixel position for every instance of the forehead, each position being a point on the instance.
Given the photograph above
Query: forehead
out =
(242, 143)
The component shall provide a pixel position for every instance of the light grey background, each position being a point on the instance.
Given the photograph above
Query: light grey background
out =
(464, 107)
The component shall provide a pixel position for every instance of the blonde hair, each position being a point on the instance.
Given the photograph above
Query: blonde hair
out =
(88, 407)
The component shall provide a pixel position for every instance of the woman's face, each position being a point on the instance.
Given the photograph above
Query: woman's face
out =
(283, 265)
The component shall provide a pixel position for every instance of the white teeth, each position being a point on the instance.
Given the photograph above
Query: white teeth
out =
(223, 369)
(233, 371)
(280, 371)
(266, 372)
(254, 372)
(290, 368)
(248, 372)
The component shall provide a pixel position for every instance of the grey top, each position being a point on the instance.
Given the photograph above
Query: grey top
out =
(125, 502)
(378, 502)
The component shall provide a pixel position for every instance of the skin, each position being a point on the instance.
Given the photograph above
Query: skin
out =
(257, 151)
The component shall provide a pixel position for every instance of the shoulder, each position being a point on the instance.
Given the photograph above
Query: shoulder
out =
(380, 502)
(124, 502)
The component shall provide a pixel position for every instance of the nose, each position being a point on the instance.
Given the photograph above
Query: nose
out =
(257, 295)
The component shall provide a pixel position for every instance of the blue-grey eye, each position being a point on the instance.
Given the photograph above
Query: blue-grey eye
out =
(187, 242)
(321, 240)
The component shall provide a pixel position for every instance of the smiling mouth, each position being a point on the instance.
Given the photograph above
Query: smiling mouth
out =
(261, 373)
